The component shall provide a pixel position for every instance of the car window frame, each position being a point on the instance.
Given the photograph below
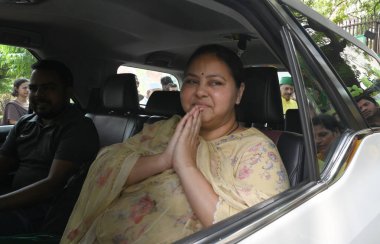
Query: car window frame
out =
(299, 87)
(329, 79)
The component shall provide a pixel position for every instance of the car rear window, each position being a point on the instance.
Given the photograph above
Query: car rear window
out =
(150, 81)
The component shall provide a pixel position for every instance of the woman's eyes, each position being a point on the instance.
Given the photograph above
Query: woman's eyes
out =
(191, 81)
(216, 83)
(209, 83)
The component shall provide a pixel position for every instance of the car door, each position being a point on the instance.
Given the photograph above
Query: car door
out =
(341, 207)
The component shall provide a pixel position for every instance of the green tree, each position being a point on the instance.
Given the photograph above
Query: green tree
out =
(339, 10)
(15, 62)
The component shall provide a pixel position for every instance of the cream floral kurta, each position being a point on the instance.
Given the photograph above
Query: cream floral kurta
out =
(244, 168)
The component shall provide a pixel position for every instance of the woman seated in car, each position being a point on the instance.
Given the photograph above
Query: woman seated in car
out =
(183, 174)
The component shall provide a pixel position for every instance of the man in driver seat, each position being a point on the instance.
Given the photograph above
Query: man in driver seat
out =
(43, 150)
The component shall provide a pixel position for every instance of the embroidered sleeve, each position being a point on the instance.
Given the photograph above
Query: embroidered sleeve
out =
(260, 173)
(257, 174)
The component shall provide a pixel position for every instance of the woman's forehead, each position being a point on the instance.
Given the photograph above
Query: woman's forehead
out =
(208, 62)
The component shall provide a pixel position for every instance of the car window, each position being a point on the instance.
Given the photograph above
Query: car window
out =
(288, 93)
(150, 81)
(326, 124)
(15, 64)
(359, 71)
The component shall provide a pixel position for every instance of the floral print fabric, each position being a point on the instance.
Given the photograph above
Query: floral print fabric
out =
(244, 168)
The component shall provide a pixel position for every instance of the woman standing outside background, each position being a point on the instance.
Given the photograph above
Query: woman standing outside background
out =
(16, 108)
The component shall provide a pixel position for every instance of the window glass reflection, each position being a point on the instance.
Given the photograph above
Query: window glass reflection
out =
(359, 71)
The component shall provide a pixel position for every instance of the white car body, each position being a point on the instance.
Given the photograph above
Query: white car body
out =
(345, 211)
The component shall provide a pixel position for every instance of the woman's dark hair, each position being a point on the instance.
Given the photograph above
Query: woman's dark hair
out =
(327, 121)
(226, 55)
(16, 84)
(59, 68)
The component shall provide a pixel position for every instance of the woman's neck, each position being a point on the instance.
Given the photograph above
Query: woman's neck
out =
(226, 129)
(22, 100)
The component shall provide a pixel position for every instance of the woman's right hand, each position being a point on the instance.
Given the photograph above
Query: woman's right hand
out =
(167, 155)
(147, 166)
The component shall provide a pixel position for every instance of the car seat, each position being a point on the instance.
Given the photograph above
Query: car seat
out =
(261, 107)
(118, 118)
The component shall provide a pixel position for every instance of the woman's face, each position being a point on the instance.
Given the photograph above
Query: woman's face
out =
(209, 84)
(23, 90)
(324, 137)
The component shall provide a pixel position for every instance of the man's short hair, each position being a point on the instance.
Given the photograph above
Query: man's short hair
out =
(58, 67)
(166, 80)
(368, 98)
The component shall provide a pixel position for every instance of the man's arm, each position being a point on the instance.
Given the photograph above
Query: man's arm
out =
(59, 174)
(7, 164)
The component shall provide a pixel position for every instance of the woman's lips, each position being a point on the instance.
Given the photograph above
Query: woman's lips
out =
(201, 105)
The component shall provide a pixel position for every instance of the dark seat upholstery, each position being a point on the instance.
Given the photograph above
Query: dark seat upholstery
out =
(261, 101)
(163, 105)
(292, 121)
(261, 107)
(118, 119)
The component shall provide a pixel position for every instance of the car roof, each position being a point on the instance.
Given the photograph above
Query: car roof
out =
(154, 33)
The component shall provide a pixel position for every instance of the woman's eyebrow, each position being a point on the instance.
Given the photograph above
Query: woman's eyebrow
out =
(216, 75)
(207, 76)
(191, 74)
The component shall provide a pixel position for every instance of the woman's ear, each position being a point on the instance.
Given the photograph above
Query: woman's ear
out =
(240, 93)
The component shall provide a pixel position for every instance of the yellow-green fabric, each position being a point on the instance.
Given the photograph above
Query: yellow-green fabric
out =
(291, 104)
(244, 168)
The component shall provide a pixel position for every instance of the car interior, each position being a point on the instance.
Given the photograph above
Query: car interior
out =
(95, 37)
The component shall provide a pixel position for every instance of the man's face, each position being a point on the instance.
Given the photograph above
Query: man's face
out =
(286, 91)
(48, 94)
(367, 108)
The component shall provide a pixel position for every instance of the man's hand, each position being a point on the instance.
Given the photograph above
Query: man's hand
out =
(59, 173)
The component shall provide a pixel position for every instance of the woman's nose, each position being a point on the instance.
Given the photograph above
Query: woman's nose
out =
(201, 90)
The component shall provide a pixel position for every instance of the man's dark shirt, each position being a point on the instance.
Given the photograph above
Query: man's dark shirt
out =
(70, 136)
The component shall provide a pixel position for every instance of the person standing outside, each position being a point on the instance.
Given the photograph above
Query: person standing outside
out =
(44, 149)
(287, 91)
(16, 108)
(166, 82)
(370, 110)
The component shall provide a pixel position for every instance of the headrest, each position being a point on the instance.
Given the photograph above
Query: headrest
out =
(164, 103)
(261, 100)
(293, 121)
(120, 93)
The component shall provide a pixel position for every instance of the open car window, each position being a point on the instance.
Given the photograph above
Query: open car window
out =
(149, 81)
(15, 64)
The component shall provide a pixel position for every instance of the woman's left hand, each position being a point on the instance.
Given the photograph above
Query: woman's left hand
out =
(198, 190)
(185, 151)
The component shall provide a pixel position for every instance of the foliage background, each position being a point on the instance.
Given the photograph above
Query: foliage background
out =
(340, 10)
(15, 63)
